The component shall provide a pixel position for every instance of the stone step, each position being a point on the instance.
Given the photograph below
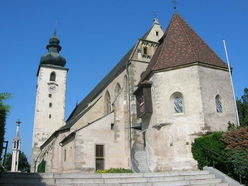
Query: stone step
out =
(169, 178)
(121, 175)
(210, 182)
(135, 180)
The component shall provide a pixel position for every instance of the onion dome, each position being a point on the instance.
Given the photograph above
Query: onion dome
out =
(53, 57)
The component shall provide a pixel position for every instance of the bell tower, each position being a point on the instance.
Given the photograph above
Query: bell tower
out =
(50, 96)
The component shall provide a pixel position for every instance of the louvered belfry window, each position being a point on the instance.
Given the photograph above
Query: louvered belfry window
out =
(99, 157)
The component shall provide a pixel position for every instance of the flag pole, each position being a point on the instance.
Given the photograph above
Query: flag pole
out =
(230, 75)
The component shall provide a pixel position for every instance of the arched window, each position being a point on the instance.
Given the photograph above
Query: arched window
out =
(177, 99)
(52, 76)
(117, 89)
(107, 103)
(218, 104)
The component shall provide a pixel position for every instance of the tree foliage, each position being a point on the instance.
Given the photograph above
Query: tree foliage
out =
(23, 162)
(227, 152)
(242, 105)
(237, 151)
(209, 150)
(236, 138)
(3, 114)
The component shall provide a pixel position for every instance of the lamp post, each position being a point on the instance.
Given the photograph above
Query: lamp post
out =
(16, 148)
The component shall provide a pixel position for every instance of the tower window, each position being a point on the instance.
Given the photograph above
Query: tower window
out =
(218, 104)
(50, 105)
(53, 76)
(49, 95)
(50, 116)
(145, 50)
(157, 33)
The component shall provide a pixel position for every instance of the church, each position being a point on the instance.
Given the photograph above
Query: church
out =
(169, 89)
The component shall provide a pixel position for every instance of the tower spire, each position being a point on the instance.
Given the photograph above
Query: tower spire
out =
(16, 148)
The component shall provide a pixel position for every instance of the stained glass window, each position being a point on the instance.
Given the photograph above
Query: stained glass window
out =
(178, 104)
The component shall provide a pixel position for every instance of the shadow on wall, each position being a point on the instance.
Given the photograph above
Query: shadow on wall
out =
(26, 179)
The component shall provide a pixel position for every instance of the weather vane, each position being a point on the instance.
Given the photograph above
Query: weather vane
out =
(18, 122)
(174, 2)
(155, 14)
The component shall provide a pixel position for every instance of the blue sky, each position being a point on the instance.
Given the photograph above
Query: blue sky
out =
(94, 35)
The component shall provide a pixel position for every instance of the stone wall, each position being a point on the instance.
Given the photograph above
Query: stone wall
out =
(169, 134)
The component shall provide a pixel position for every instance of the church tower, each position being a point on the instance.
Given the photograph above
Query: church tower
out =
(50, 96)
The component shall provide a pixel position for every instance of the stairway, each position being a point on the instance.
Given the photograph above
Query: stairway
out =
(170, 178)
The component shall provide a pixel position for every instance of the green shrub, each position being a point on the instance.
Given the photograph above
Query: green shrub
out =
(210, 150)
(42, 167)
(239, 159)
(114, 170)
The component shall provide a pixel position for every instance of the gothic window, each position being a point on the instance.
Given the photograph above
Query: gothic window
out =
(107, 102)
(99, 157)
(52, 76)
(145, 50)
(117, 89)
(218, 104)
(157, 33)
(50, 105)
(125, 85)
(177, 98)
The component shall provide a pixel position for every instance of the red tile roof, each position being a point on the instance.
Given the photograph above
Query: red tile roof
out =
(181, 46)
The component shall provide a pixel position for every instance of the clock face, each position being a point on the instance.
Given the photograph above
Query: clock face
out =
(52, 88)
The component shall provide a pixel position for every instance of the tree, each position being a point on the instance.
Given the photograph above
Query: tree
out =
(3, 114)
(23, 162)
(242, 105)
(237, 152)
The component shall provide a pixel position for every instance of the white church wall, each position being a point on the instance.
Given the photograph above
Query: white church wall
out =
(170, 134)
(99, 133)
(169, 147)
(217, 82)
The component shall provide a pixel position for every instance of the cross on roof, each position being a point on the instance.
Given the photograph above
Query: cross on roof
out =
(55, 27)
(174, 2)
(18, 122)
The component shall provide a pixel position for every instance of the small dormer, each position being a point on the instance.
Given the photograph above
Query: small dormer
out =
(143, 99)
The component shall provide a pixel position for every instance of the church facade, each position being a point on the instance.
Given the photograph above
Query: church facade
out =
(169, 89)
